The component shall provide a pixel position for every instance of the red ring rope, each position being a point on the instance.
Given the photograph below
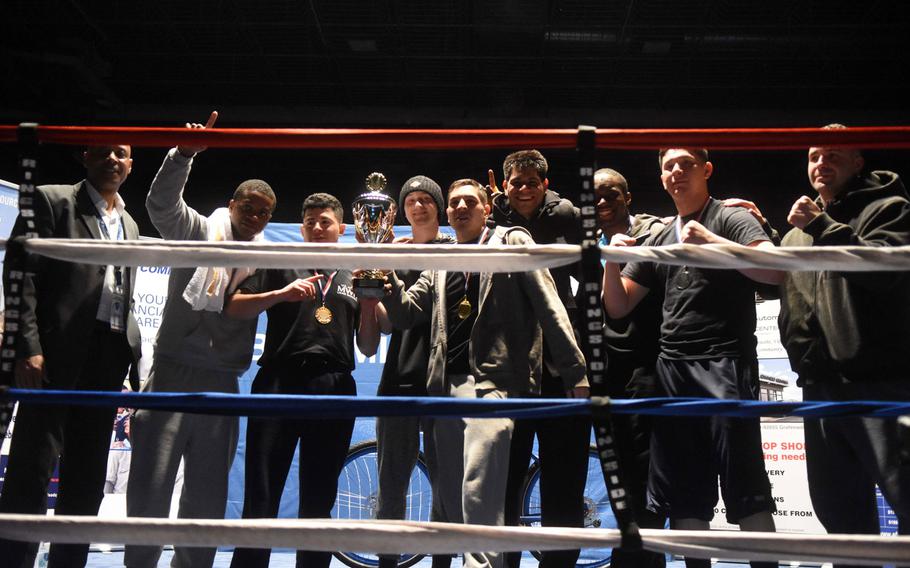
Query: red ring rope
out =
(455, 139)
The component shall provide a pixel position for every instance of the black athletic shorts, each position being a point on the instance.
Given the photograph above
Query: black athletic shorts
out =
(689, 454)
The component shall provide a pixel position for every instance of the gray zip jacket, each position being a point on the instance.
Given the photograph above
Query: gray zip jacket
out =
(516, 310)
(203, 338)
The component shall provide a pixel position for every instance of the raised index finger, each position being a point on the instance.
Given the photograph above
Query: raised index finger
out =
(212, 118)
(314, 278)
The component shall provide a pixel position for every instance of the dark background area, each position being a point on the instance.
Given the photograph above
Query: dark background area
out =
(452, 64)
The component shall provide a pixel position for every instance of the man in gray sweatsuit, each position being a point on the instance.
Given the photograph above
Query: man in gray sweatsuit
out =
(197, 350)
(485, 342)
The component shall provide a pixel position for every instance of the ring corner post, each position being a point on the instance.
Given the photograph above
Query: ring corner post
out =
(14, 269)
(591, 319)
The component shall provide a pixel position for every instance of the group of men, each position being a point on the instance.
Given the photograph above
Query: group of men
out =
(669, 331)
(77, 332)
(841, 330)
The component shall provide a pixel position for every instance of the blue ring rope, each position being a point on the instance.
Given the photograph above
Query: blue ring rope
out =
(323, 406)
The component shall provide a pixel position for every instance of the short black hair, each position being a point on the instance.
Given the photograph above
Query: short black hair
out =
(255, 185)
(323, 201)
(523, 159)
(697, 152)
(623, 184)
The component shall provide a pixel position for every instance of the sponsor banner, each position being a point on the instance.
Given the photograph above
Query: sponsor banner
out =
(766, 331)
(783, 440)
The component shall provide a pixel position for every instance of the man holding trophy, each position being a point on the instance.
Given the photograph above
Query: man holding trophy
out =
(313, 317)
(486, 333)
(405, 374)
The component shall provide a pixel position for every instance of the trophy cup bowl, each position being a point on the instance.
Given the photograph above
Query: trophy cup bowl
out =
(374, 221)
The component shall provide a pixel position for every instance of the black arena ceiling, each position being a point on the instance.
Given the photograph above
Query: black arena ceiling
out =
(454, 62)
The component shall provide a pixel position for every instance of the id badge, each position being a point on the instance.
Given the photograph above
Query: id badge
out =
(117, 311)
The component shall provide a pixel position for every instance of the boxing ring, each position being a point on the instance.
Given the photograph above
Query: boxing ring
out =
(389, 537)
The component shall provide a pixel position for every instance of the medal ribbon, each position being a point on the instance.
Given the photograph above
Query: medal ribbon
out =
(464, 306)
(467, 275)
(324, 289)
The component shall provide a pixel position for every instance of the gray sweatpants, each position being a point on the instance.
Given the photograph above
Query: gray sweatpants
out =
(397, 446)
(206, 443)
(487, 446)
(473, 462)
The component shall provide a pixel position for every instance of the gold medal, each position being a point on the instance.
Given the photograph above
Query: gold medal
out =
(323, 315)
(464, 308)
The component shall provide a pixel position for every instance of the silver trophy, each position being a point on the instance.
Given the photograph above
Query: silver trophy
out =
(374, 221)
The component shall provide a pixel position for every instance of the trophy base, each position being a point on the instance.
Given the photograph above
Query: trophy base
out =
(369, 287)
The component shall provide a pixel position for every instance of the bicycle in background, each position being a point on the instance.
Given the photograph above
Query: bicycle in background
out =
(358, 486)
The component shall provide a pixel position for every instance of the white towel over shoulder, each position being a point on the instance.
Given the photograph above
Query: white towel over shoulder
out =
(210, 284)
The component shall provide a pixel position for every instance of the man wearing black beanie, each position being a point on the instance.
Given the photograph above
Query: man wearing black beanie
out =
(405, 374)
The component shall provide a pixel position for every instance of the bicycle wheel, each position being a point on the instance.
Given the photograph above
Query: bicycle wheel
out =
(358, 486)
(598, 513)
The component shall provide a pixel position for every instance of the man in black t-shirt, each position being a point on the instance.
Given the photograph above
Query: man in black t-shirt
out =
(707, 349)
(309, 349)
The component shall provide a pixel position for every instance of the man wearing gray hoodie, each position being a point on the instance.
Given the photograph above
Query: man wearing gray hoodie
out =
(197, 349)
(486, 341)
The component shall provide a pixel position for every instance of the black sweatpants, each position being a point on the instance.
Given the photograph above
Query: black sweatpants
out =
(846, 457)
(563, 447)
(80, 436)
(270, 445)
(630, 379)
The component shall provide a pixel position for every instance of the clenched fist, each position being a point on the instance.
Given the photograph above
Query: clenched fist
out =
(802, 212)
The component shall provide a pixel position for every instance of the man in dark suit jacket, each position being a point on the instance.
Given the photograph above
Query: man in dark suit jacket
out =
(77, 333)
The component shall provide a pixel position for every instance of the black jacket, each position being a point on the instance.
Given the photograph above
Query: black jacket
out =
(60, 299)
(405, 369)
(851, 325)
(557, 221)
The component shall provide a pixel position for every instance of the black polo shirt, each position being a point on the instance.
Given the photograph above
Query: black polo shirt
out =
(294, 335)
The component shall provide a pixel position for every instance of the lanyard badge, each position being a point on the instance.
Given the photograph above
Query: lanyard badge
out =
(117, 318)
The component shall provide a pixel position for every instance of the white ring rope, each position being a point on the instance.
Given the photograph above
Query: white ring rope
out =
(393, 537)
(481, 258)
(796, 259)
(182, 254)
